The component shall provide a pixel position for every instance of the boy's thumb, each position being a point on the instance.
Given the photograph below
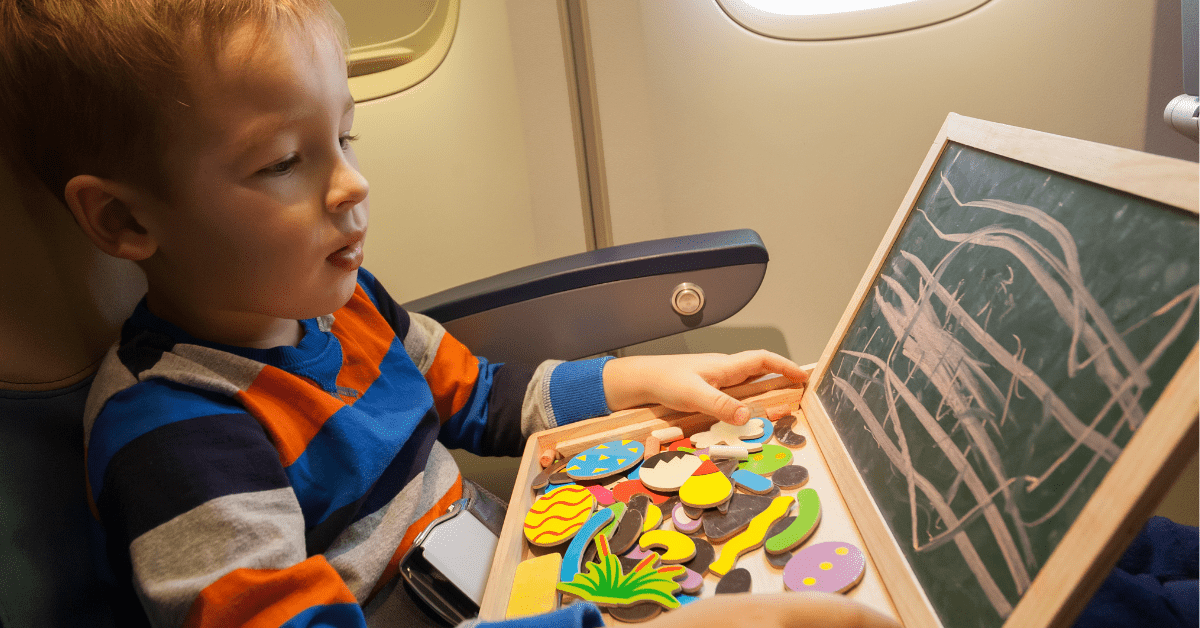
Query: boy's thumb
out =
(729, 410)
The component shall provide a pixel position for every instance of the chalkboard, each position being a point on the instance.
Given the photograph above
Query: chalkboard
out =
(1017, 331)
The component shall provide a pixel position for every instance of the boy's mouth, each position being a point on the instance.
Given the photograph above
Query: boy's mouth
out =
(349, 257)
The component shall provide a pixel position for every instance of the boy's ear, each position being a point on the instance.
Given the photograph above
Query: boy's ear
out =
(104, 210)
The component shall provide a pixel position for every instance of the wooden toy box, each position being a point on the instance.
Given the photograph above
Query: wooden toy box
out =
(1009, 394)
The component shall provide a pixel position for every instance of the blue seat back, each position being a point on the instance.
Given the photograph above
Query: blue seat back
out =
(48, 575)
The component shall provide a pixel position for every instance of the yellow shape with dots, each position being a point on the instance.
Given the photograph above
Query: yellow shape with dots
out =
(841, 551)
(826, 566)
(809, 581)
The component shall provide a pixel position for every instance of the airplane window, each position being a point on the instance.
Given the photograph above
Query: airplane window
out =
(841, 19)
(395, 45)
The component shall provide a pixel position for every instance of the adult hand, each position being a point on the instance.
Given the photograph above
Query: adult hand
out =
(691, 382)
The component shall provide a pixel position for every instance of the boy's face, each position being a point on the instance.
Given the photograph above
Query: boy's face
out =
(267, 210)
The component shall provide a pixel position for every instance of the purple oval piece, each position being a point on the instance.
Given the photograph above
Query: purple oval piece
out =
(831, 567)
(683, 522)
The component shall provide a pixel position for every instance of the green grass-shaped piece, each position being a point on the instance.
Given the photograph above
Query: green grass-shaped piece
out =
(604, 582)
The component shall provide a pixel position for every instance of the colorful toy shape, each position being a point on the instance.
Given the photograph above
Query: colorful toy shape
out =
(543, 478)
(742, 508)
(626, 489)
(706, 487)
(705, 554)
(767, 461)
(653, 517)
(679, 547)
(667, 471)
(752, 482)
(628, 532)
(605, 459)
(808, 516)
(604, 497)
(753, 536)
(558, 516)
(736, 581)
(790, 476)
(573, 557)
(533, 588)
(682, 522)
(831, 567)
(779, 560)
(722, 433)
(605, 582)
(786, 435)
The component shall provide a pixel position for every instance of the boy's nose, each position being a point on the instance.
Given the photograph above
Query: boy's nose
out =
(348, 187)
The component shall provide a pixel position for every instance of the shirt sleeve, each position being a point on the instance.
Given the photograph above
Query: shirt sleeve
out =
(491, 408)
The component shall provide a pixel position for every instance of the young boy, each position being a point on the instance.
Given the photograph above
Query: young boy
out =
(269, 435)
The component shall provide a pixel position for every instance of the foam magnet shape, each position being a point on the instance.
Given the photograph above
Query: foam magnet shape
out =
(558, 516)
(808, 515)
(722, 433)
(705, 554)
(690, 581)
(607, 584)
(652, 518)
(786, 435)
(573, 557)
(679, 547)
(736, 581)
(636, 614)
(667, 471)
(605, 459)
(831, 567)
(791, 476)
(752, 482)
(604, 497)
(742, 508)
(625, 490)
(533, 588)
(628, 532)
(706, 487)
(543, 478)
(753, 536)
(767, 461)
(682, 521)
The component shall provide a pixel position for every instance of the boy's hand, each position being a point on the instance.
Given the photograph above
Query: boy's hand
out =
(691, 382)
(777, 610)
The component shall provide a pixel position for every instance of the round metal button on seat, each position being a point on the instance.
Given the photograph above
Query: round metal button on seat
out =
(687, 299)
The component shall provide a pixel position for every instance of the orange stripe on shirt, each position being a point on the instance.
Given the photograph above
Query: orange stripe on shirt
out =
(290, 408)
(451, 377)
(393, 567)
(365, 338)
(254, 598)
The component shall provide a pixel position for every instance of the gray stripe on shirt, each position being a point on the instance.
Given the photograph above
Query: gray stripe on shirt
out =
(363, 550)
(174, 561)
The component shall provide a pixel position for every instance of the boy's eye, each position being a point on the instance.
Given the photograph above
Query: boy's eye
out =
(346, 139)
(281, 167)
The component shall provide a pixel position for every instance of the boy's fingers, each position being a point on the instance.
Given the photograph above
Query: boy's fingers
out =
(726, 408)
(760, 362)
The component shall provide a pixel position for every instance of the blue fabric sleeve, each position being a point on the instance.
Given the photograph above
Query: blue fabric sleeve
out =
(577, 390)
(580, 615)
(1154, 583)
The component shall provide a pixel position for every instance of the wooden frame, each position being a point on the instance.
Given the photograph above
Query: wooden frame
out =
(1116, 509)
(1152, 458)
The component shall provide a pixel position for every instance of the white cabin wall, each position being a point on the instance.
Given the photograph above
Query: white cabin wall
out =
(707, 126)
(473, 171)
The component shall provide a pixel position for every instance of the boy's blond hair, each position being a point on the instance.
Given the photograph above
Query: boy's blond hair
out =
(92, 86)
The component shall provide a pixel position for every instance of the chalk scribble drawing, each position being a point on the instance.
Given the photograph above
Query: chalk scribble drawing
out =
(946, 372)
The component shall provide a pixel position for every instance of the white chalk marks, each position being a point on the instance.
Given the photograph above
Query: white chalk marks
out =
(998, 367)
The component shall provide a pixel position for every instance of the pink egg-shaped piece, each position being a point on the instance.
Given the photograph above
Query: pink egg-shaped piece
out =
(831, 567)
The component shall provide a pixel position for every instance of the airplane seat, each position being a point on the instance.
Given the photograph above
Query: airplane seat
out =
(64, 302)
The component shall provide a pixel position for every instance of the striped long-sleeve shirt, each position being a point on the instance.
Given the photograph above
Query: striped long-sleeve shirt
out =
(281, 487)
